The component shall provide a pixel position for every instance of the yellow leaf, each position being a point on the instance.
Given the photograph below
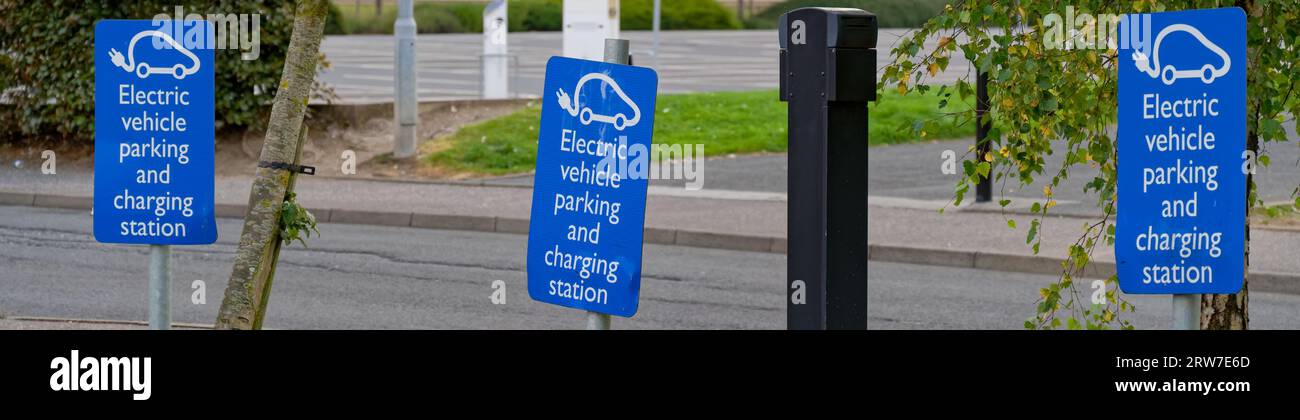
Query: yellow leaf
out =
(902, 88)
(1050, 204)
(988, 156)
(1047, 190)
(1004, 152)
(934, 69)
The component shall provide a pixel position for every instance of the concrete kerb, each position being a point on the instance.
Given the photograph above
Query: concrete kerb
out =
(116, 322)
(440, 221)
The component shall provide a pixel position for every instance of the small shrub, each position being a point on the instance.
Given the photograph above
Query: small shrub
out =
(48, 61)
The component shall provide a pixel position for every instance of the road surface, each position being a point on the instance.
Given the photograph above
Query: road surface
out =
(907, 296)
(371, 277)
(368, 277)
(448, 65)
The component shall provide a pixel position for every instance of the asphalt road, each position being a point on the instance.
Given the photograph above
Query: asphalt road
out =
(913, 171)
(368, 277)
(448, 65)
(903, 296)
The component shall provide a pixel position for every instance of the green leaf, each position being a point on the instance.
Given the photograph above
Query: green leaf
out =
(1011, 223)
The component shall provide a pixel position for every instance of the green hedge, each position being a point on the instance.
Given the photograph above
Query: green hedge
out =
(51, 44)
(534, 15)
(542, 15)
(889, 13)
(677, 14)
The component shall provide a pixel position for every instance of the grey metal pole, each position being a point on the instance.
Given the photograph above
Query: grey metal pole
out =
(160, 290)
(616, 51)
(655, 47)
(405, 89)
(1187, 312)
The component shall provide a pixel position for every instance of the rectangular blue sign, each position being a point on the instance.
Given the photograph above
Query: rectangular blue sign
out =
(589, 191)
(1181, 193)
(154, 133)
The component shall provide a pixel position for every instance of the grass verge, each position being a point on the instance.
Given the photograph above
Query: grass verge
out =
(724, 122)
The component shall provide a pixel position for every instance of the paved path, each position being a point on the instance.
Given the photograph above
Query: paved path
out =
(448, 65)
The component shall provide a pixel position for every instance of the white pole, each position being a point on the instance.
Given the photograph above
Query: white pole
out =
(404, 88)
(1187, 312)
(495, 67)
(655, 48)
(160, 280)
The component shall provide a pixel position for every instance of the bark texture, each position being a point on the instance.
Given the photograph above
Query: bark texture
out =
(1231, 312)
(262, 221)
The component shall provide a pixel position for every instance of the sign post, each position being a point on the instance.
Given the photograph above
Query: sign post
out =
(828, 74)
(589, 194)
(405, 89)
(154, 148)
(1181, 196)
(160, 287)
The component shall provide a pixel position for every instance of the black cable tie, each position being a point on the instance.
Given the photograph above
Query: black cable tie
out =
(300, 169)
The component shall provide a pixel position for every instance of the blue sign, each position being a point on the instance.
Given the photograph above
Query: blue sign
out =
(1181, 197)
(154, 133)
(589, 191)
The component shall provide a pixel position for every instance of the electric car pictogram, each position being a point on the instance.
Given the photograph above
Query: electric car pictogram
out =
(584, 113)
(1168, 73)
(179, 71)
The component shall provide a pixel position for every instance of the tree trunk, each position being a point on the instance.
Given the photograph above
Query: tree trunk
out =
(1231, 312)
(262, 221)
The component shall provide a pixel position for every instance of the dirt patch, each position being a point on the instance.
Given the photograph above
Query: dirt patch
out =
(329, 136)
(1285, 221)
(371, 140)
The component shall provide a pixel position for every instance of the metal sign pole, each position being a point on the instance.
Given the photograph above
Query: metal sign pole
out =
(405, 89)
(655, 48)
(1187, 312)
(160, 280)
(616, 51)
